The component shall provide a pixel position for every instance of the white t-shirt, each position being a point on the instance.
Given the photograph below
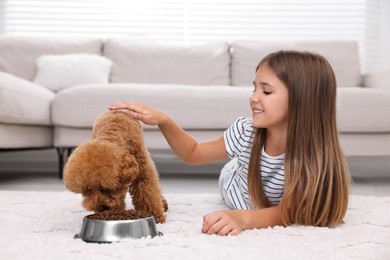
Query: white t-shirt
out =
(238, 140)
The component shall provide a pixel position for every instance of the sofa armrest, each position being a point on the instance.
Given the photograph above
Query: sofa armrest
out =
(23, 102)
(378, 79)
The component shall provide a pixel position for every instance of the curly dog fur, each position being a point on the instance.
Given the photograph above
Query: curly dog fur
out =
(113, 162)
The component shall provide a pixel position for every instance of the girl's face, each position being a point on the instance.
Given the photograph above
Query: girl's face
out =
(269, 101)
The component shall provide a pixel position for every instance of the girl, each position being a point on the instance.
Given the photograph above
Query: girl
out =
(287, 166)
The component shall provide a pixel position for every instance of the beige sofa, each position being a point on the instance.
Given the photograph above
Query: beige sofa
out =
(203, 87)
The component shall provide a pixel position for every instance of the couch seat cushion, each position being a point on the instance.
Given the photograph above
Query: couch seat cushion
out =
(23, 102)
(193, 107)
(361, 110)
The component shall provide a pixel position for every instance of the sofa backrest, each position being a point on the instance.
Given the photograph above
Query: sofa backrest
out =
(342, 55)
(18, 54)
(149, 62)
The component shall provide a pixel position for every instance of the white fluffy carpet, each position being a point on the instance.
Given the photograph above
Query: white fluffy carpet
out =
(41, 225)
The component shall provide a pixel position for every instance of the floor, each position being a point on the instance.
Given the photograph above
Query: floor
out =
(371, 176)
(171, 183)
(24, 181)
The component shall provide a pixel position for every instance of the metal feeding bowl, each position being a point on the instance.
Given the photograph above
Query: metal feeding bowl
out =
(107, 231)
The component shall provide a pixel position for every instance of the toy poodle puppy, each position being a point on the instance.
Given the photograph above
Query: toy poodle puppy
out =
(113, 162)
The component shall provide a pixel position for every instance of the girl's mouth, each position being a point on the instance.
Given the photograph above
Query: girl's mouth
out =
(257, 111)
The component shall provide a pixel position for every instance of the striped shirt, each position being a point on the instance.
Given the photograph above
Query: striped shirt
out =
(238, 140)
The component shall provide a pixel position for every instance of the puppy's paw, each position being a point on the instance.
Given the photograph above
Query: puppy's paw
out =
(165, 204)
(159, 218)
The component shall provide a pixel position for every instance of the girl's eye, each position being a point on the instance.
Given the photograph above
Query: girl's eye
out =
(267, 92)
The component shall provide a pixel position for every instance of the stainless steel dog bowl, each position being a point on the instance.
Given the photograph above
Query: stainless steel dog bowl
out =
(106, 231)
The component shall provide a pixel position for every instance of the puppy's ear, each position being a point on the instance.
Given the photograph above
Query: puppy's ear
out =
(93, 164)
(129, 169)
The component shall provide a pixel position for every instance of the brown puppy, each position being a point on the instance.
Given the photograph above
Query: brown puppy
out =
(113, 162)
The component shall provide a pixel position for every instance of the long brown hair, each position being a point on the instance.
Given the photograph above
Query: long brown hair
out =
(317, 178)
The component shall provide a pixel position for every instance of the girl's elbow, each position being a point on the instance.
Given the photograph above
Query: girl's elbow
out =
(190, 161)
(185, 159)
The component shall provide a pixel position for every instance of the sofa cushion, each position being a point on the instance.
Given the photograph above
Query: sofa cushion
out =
(378, 79)
(18, 54)
(343, 56)
(23, 102)
(362, 110)
(57, 72)
(136, 62)
(359, 110)
(193, 107)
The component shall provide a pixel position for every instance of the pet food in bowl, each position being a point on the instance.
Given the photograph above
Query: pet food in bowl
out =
(108, 226)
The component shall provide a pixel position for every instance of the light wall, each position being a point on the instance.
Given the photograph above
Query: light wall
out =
(1, 15)
(385, 35)
(384, 52)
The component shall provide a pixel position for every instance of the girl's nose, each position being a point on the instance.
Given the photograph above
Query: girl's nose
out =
(253, 98)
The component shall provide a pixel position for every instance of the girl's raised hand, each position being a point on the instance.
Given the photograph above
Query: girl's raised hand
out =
(146, 114)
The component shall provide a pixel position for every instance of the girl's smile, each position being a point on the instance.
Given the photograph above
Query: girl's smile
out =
(256, 111)
(269, 101)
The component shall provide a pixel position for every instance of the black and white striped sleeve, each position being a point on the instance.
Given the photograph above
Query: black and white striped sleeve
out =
(237, 136)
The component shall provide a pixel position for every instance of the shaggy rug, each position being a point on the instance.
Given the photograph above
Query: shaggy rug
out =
(41, 225)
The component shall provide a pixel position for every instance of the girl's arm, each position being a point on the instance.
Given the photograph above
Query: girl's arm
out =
(232, 222)
(185, 146)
